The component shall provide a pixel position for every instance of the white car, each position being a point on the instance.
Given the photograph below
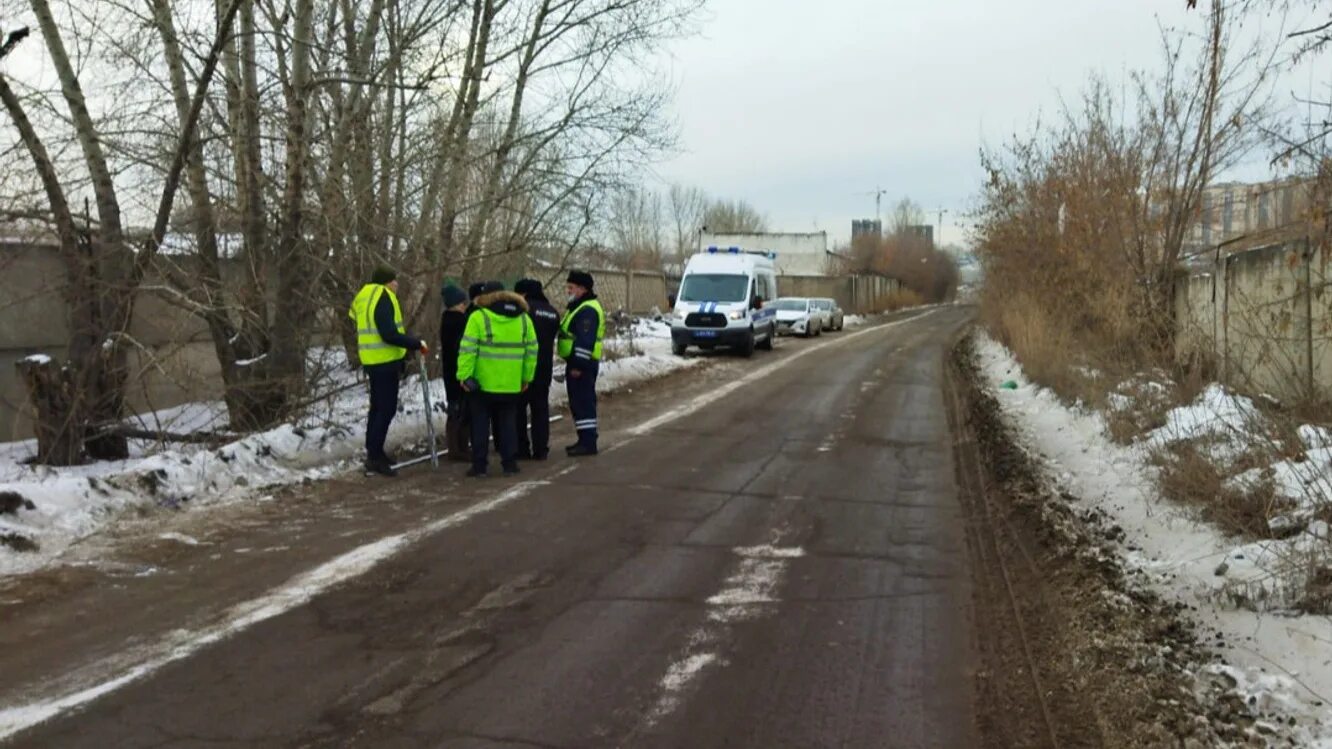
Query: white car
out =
(832, 316)
(797, 316)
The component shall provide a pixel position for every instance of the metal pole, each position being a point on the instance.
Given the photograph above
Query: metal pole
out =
(430, 412)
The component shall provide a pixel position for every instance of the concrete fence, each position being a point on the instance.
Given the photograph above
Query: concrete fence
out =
(1265, 317)
(854, 294)
(171, 358)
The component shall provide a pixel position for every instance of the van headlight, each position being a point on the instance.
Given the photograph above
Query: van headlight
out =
(737, 314)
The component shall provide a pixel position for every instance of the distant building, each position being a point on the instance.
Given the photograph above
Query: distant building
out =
(1233, 210)
(866, 228)
(924, 231)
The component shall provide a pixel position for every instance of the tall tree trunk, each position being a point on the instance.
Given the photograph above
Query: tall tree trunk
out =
(58, 395)
(285, 364)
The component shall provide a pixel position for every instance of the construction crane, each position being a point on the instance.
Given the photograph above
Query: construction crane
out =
(878, 194)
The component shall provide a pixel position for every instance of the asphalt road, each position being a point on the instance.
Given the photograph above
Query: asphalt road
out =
(771, 554)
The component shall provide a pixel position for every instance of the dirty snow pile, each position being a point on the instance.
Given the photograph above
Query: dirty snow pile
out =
(44, 511)
(1277, 658)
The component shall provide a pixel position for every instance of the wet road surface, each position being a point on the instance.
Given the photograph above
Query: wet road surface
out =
(770, 554)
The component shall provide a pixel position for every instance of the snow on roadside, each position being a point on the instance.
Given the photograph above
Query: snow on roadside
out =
(1277, 660)
(74, 503)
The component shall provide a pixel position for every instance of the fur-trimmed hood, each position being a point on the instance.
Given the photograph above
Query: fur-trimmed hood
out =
(505, 303)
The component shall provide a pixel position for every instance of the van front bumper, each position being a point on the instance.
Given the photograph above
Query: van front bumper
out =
(736, 336)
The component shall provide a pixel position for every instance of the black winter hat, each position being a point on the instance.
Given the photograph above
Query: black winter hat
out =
(492, 286)
(581, 278)
(453, 296)
(476, 290)
(383, 274)
(528, 287)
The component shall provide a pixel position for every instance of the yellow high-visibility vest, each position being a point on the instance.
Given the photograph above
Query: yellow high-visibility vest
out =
(566, 341)
(371, 347)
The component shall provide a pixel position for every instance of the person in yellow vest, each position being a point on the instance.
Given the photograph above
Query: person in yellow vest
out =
(497, 361)
(382, 344)
(581, 334)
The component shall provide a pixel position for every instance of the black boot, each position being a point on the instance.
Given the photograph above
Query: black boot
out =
(380, 467)
(579, 451)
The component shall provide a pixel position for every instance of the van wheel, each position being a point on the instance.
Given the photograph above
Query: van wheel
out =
(747, 348)
(679, 349)
(767, 341)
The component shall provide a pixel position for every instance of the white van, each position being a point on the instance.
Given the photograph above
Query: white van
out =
(723, 301)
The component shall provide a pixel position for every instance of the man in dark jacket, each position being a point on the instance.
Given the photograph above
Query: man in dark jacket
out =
(451, 326)
(383, 346)
(536, 401)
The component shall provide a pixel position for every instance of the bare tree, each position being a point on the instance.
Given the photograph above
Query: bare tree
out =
(733, 217)
(906, 215)
(635, 225)
(687, 206)
(79, 402)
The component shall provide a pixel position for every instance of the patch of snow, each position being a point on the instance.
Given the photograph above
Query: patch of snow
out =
(682, 672)
(249, 362)
(1220, 422)
(38, 359)
(1283, 655)
(180, 538)
(753, 582)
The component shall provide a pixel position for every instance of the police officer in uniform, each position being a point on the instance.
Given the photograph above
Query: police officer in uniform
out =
(534, 443)
(382, 344)
(496, 363)
(581, 334)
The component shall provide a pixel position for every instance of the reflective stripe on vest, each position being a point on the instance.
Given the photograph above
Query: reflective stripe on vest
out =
(502, 365)
(370, 346)
(566, 348)
(493, 349)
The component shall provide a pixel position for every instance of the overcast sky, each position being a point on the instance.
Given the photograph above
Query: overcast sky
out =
(800, 106)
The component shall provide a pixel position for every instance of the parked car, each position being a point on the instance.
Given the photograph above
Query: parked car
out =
(797, 316)
(832, 316)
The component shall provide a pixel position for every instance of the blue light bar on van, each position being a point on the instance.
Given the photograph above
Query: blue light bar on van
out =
(735, 250)
(712, 249)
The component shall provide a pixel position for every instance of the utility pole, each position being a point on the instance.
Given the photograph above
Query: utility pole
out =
(938, 242)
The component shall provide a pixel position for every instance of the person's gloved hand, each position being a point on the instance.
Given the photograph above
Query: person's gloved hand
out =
(471, 385)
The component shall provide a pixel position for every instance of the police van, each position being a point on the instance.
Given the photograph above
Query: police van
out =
(723, 301)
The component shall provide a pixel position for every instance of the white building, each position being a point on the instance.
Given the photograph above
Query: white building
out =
(797, 254)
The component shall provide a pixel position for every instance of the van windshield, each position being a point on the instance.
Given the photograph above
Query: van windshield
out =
(789, 305)
(714, 287)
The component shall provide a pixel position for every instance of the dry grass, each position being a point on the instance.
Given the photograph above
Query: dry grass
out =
(900, 299)
(1188, 476)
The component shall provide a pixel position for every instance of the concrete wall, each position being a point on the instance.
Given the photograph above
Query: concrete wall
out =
(174, 365)
(633, 292)
(855, 294)
(1265, 316)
